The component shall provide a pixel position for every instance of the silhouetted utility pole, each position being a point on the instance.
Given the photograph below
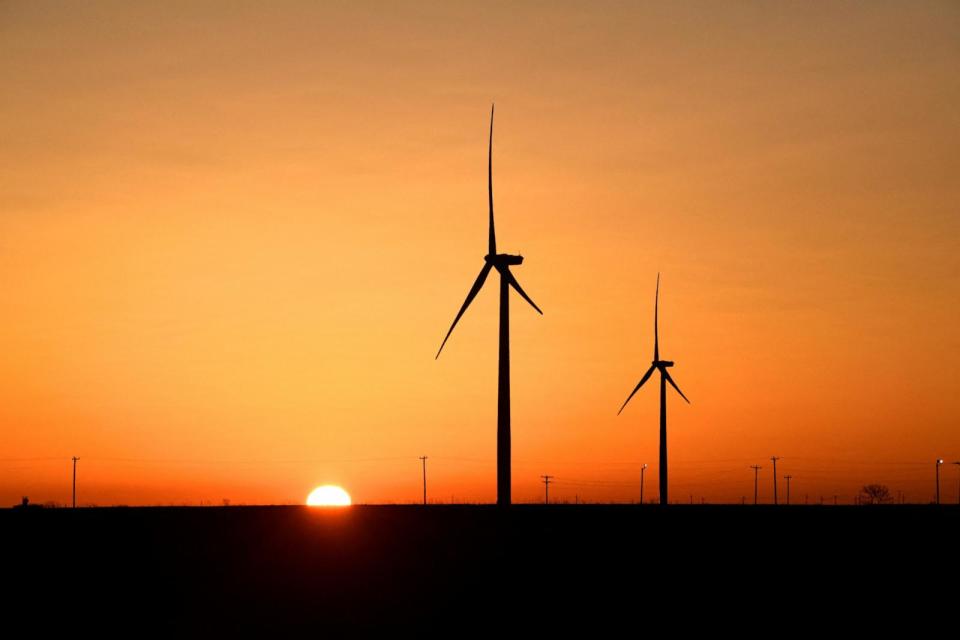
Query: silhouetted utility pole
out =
(756, 480)
(787, 478)
(423, 459)
(835, 500)
(939, 462)
(75, 481)
(546, 488)
(774, 459)
(642, 470)
(958, 482)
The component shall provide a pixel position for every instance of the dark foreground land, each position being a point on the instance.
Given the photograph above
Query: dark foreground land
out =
(458, 569)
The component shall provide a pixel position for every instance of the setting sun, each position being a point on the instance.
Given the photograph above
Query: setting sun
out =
(328, 496)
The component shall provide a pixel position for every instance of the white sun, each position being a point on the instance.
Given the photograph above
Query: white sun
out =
(329, 495)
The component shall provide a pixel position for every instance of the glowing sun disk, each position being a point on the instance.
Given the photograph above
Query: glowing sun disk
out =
(329, 495)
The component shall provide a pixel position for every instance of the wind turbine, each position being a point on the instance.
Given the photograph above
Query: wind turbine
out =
(501, 262)
(660, 365)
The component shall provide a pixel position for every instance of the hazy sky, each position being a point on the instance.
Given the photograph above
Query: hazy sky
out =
(233, 235)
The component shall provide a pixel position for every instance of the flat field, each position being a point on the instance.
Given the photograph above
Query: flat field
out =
(461, 569)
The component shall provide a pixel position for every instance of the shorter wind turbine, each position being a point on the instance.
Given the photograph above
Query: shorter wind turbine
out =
(659, 365)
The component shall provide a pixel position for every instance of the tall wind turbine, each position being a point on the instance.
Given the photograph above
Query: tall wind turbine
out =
(501, 262)
(659, 365)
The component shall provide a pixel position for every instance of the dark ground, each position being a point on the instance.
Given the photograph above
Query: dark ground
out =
(453, 569)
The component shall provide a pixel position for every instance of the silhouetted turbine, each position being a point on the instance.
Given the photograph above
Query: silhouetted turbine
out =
(660, 365)
(501, 262)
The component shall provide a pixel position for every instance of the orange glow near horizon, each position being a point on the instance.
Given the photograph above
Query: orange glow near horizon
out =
(232, 239)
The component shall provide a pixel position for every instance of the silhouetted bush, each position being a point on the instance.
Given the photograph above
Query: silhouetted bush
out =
(875, 494)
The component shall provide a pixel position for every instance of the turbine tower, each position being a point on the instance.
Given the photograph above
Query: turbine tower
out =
(660, 365)
(501, 262)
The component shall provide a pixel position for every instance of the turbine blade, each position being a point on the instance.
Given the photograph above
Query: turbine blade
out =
(492, 249)
(645, 377)
(673, 384)
(512, 281)
(466, 303)
(656, 330)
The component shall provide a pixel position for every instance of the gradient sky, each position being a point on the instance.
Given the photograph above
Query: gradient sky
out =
(233, 235)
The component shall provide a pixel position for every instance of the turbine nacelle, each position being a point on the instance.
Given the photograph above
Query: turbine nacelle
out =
(662, 364)
(501, 260)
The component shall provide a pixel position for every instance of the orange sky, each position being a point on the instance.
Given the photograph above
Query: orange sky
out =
(232, 237)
